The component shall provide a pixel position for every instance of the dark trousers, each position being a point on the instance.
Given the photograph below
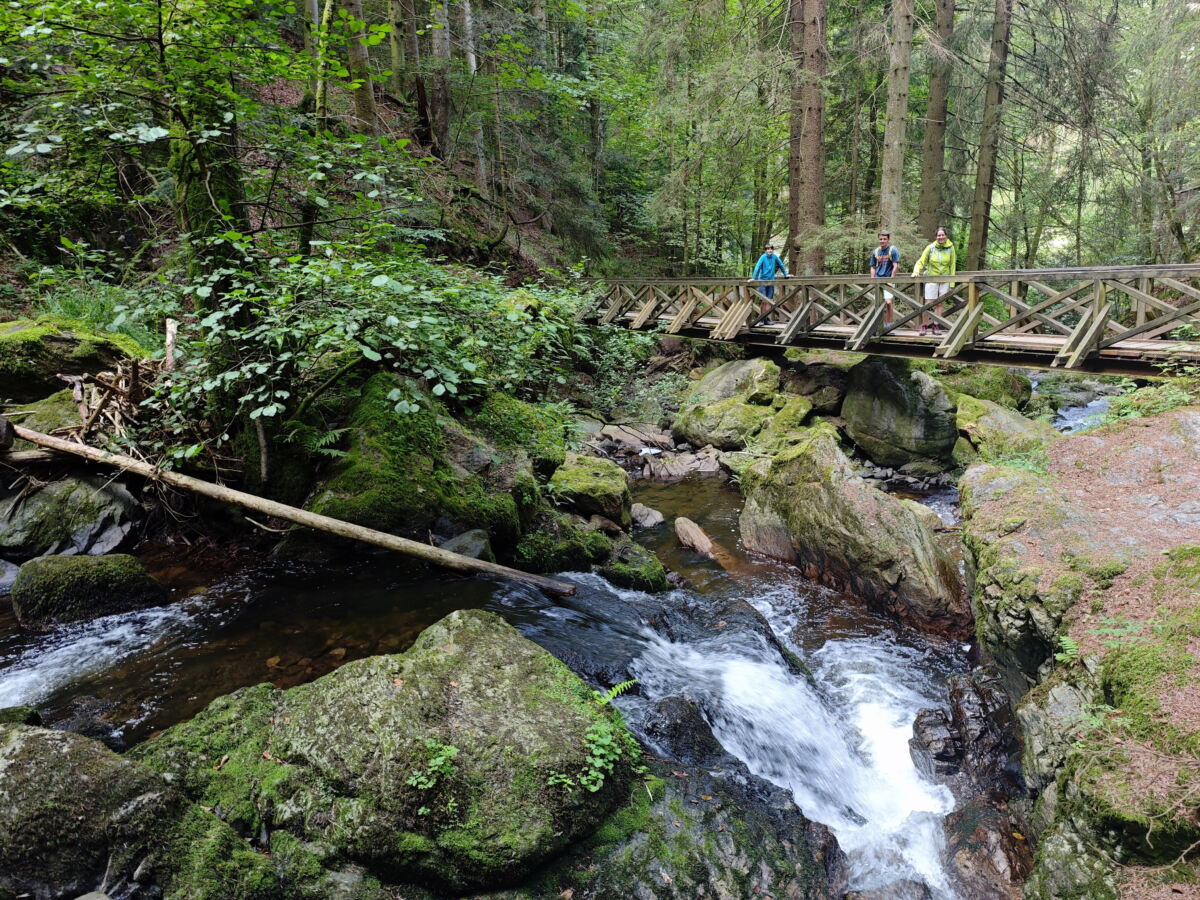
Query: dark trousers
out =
(767, 290)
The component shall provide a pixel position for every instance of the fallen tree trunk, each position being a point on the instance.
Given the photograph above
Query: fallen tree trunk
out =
(300, 516)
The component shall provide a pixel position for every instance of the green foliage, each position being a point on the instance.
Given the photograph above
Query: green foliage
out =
(1030, 459)
(607, 741)
(1157, 398)
(439, 767)
(1068, 649)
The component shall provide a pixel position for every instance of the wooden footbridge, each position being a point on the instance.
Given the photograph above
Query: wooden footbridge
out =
(1119, 319)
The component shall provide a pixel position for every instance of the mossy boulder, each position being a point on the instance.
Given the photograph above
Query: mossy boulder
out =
(52, 590)
(561, 543)
(89, 514)
(49, 414)
(412, 472)
(513, 424)
(786, 426)
(897, 414)
(806, 505)
(466, 761)
(33, 352)
(75, 817)
(633, 566)
(992, 383)
(997, 431)
(729, 405)
(592, 486)
(20, 715)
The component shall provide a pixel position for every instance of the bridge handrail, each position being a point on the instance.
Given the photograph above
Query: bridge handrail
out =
(1114, 273)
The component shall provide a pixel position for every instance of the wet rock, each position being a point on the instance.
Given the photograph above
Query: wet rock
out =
(633, 566)
(898, 414)
(989, 852)
(591, 486)
(52, 590)
(701, 834)
(674, 466)
(934, 745)
(897, 890)
(645, 516)
(806, 505)
(986, 730)
(75, 817)
(33, 353)
(434, 765)
(678, 727)
(608, 526)
(8, 574)
(928, 517)
(824, 386)
(474, 543)
(692, 536)
(88, 717)
(75, 516)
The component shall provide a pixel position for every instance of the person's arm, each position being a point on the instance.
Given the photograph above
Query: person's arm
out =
(895, 259)
(953, 259)
(781, 267)
(920, 266)
(757, 267)
(871, 263)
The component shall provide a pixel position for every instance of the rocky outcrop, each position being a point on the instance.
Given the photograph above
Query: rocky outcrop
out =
(34, 352)
(996, 431)
(85, 515)
(591, 486)
(633, 566)
(75, 817)
(1088, 571)
(466, 761)
(52, 590)
(995, 384)
(729, 405)
(899, 415)
(56, 411)
(806, 505)
(414, 472)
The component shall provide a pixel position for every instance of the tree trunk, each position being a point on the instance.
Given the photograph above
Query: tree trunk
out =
(423, 131)
(312, 28)
(989, 136)
(440, 106)
(806, 156)
(931, 208)
(359, 63)
(895, 126)
(396, 41)
(472, 57)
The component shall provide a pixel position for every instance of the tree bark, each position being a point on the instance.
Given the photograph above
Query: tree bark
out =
(440, 106)
(895, 126)
(359, 63)
(989, 136)
(396, 42)
(806, 156)
(931, 208)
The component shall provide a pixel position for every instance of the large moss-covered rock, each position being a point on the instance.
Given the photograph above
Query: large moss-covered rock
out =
(516, 425)
(33, 352)
(591, 486)
(55, 589)
(993, 383)
(75, 817)
(90, 514)
(806, 505)
(49, 414)
(898, 414)
(466, 761)
(413, 472)
(633, 566)
(560, 543)
(729, 405)
(997, 431)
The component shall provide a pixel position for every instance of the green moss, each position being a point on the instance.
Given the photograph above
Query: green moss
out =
(20, 715)
(209, 862)
(1103, 572)
(56, 411)
(633, 566)
(53, 589)
(515, 425)
(560, 545)
(593, 486)
(33, 351)
(994, 383)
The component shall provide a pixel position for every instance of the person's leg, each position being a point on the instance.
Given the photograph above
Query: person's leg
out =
(930, 293)
(887, 307)
(768, 291)
(943, 289)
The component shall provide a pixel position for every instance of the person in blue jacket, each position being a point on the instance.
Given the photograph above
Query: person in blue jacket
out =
(764, 270)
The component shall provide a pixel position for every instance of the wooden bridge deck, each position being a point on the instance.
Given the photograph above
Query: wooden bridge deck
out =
(1117, 319)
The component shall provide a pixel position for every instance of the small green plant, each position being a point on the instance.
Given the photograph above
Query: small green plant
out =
(607, 740)
(607, 697)
(1068, 649)
(439, 767)
(1118, 632)
(1029, 458)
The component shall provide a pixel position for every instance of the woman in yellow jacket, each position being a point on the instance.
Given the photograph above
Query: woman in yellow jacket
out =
(938, 259)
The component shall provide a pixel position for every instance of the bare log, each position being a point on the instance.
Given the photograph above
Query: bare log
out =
(303, 517)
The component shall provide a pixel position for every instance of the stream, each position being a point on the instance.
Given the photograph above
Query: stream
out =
(839, 743)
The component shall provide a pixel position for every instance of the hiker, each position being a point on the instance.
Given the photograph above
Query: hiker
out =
(764, 270)
(883, 262)
(938, 259)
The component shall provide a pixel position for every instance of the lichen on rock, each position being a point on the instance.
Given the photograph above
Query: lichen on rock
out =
(898, 414)
(729, 405)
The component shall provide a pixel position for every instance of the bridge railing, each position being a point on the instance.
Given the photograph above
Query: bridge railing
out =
(1069, 313)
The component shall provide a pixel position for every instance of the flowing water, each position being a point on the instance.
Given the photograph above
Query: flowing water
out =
(838, 742)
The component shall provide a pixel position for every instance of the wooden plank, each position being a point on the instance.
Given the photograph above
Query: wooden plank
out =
(1091, 337)
(1154, 327)
(798, 322)
(869, 329)
(965, 327)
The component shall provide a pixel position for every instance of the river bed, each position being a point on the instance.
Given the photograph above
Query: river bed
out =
(839, 742)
